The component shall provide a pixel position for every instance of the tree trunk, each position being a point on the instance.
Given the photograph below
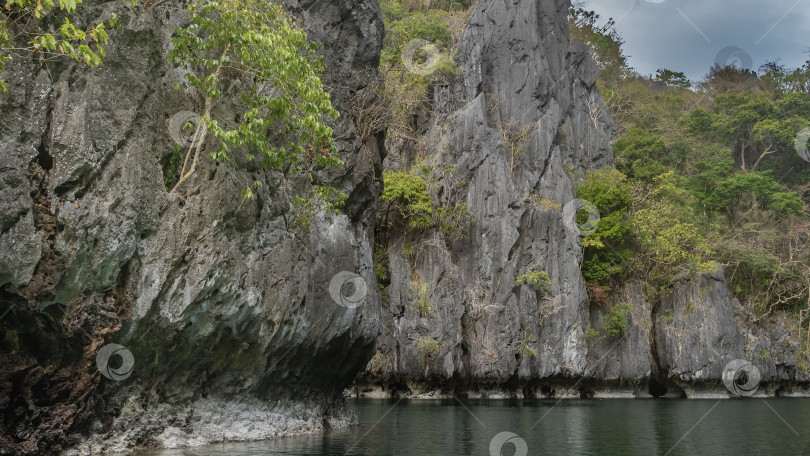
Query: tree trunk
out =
(199, 135)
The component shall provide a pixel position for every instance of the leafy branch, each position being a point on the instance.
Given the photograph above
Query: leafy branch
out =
(256, 47)
(23, 34)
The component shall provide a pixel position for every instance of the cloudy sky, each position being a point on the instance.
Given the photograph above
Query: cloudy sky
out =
(690, 35)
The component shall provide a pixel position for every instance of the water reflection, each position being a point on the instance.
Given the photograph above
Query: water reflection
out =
(577, 427)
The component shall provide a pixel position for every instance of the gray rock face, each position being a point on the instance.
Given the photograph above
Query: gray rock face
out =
(220, 300)
(519, 126)
(695, 335)
(225, 304)
(624, 361)
(700, 328)
(518, 75)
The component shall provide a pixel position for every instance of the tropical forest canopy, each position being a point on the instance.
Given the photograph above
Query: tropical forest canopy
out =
(707, 171)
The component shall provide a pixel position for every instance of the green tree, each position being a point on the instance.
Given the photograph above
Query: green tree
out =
(719, 188)
(741, 112)
(637, 154)
(778, 80)
(759, 126)
(22, 33)
(775, 135)
(606, 249)
(603, 40)
(616, 319)
(408, 196)
(255, 50)
(668, 238)
(672, 78)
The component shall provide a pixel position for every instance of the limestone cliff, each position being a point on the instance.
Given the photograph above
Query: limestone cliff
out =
(494, 337)
(224, 303)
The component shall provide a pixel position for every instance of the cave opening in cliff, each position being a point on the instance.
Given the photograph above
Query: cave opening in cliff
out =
(657, 389)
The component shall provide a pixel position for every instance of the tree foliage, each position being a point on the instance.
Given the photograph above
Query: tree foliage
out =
(254, 50)
(38, 29)
(606, 250)
(404, 95)
(408, 195)
(602, 39)
(616, 319)
(536, 278)
(672, 78)
(713, 176)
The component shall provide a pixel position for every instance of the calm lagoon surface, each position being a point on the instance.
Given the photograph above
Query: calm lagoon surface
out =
(550, 427)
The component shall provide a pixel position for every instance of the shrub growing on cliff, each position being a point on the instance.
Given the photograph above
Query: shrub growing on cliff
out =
(22, 33)
(408, 195)
(452, 217)
(254, 50)
(426, 348)
(422, 292)
(535, 278)
(454, 220)
(526, 344)
(614, 324)
(320, 198)
(434, 22)
(616, 319)
(592, 336)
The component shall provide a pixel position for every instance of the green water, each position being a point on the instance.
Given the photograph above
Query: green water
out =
(549, 427)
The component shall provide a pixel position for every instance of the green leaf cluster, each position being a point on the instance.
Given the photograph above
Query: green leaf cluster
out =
(718, 187)
(712, 174)
(408, 194)
(320, 198)
(255, 50)
(535, 278)
(672, 78)
(455, 220)
(614, 324)
(22, 31)
(437, 22)
(526, 346)
(638, 153)
(606, 249)
(616, 320)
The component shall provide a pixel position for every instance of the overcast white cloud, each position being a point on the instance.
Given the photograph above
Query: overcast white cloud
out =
(687, 35)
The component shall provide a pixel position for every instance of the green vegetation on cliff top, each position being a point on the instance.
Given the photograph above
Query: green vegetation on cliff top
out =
(705, 172)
